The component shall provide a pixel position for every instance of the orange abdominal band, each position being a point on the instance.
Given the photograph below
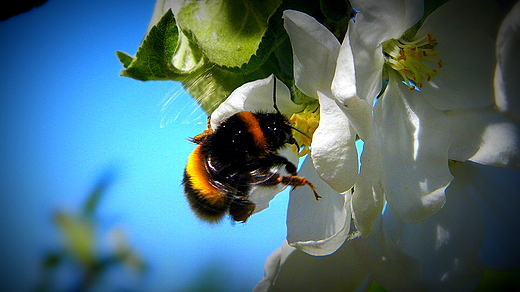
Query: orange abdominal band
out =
(199, 177)
(253, 127)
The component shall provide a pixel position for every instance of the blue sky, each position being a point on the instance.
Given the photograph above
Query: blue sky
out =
(66, 117)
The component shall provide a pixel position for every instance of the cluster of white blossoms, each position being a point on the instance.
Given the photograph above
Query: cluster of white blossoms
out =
(436, 104)
(433, 96)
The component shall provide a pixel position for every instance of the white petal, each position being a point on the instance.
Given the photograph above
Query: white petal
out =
(368, 199)
(447, 244)
(298, 271)
(255, 96)
(272, 267)
(414, 154)
(344, 82)
(379, 21)
(481, 15)
(507, 87)
(315, 51)
(496, 191)
(333, 146)
(484, 136)
(359, 111)
(368, 62)
(317, 227)
(387, 265)
(465, 30)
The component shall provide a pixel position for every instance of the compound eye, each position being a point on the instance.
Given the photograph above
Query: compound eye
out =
(284, 136)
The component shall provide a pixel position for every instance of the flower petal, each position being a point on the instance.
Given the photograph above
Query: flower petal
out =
(507, 88)
(255, 96)
(343, 88)
(289, 269)
(317, 227)
(271, 267)
(333, 148)
(465, 30)
(368, 62)
(387, 265)
(414, 154)
(368, 199)
(448, 242)
(379, 21)
(484, 136)
(315, 51)
(344, 82)
(496, 191)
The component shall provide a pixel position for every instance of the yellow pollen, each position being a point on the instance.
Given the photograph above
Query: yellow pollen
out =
(409, 59)
(306, 121)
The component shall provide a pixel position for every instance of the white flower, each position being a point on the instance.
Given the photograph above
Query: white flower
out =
(431, 153)
(448, 251)
(445, 220)
(507, 70)
(289, 269)
(436, 254)
(315, 53)
(499, 251)
(444, 110)
(320, 229)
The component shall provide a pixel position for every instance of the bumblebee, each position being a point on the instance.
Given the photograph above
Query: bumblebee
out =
(242, 152)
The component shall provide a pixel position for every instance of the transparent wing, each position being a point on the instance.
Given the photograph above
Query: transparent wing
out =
(179, 107)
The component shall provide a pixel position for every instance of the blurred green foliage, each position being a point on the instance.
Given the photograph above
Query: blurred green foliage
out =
(80, 252)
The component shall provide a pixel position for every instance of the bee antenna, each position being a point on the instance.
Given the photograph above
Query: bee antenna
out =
(299, 131)
(274, 96)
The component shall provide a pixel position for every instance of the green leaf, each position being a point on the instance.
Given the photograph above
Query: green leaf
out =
(97, 193)
(165, 54)
(171, 53)
(499, 281)
(273, 37)
(375, 287)
(124, 58)
(212, 85)
(52, 259)
(275, 40)
(228, 32)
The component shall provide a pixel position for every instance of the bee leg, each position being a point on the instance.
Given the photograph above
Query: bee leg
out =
(297, 181)
(201, 137)
(289, 166)
(241, 208)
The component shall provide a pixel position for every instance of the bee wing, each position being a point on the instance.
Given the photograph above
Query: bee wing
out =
(260, 176)
(179, 107)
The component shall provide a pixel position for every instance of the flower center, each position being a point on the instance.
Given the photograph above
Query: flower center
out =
(412, 59)
(306, 121)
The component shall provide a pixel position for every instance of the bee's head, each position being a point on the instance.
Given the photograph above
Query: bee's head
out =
(277, 129)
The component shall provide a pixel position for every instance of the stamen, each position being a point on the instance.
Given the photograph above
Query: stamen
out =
(409, 59)
(306, 122)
